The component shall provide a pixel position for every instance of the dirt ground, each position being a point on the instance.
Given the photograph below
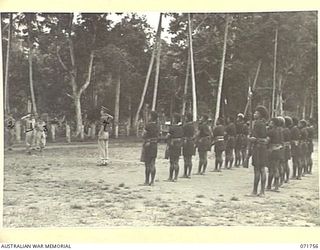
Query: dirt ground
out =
(64, 188)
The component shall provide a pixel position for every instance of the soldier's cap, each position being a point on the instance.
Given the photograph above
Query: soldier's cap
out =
(105, 112)
(288, 121)
(294, 120)
(104, 109)
(263, 111)
(220, 120)
(240, 115)
(275, 121)
(303, 122)
(281, 121)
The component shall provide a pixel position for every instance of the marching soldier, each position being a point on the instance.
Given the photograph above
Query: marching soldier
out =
(310, 146)
(9, 131)
(175, 143)
(150, 148)
(103, 136)
(219, 144)
(295, 147)
(203, 144)
(259, 149)
(230, 142)
(287, 147)
(188, 145)
(29, 131)
(304, 148)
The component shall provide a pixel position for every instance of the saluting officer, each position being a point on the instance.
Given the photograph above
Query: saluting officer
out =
(103, 136)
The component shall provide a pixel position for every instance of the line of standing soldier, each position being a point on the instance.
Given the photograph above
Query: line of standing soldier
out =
(271, 144)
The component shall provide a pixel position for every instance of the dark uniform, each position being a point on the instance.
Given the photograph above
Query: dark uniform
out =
(304, 151)
(259, 149)
(150, 149)
(230, 139)
(295, 135)
(219, 145)
(188, 147)
(259, 142)
(287, 152)
(275, 155)
(310, 149)
(204, 145)
(241, 142)
(175, 144)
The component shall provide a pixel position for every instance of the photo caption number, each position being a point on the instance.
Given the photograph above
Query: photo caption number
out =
(314, 246)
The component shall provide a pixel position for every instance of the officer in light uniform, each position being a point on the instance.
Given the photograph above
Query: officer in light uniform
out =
(103, 136)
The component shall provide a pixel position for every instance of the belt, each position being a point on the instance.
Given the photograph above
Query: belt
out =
(151, 140)
(175, 139)
(261, 141)
(219, 138)
(188, 138)
(29, 130)
(276, 146)
(286, 143)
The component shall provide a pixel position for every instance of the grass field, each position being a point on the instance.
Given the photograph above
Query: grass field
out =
(63, 187)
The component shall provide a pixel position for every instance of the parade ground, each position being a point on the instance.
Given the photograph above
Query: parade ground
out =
(64, 187)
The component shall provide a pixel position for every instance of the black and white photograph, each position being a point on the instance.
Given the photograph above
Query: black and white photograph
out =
(142, 119)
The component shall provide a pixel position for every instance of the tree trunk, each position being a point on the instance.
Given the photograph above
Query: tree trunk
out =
(185, 92)
(280, 101)
(156, 81)
(116, 106)
(1, 51)
(6, 86)
(34, 106)
(77, 90)
(274, 73)
(77, 103)
(311, 106)
(221, 71)
(253, 87)
(304, 106)
(130, 116)
(194, 91)
(145, 85)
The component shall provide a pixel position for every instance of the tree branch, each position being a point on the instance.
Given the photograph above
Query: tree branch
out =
(69, 96)
(87, 82)
(61, 62)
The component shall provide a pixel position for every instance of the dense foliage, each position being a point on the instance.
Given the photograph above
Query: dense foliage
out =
(124, 49)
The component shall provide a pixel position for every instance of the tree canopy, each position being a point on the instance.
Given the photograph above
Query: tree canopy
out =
(80, 55)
